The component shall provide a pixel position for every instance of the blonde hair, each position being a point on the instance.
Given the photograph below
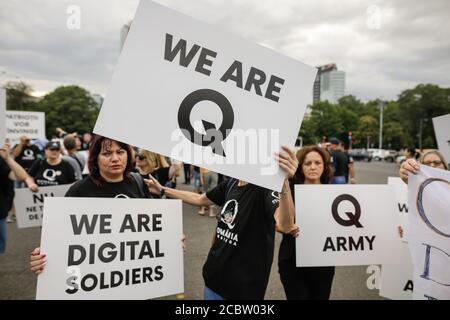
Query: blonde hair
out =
(436, 153)
(155, 160)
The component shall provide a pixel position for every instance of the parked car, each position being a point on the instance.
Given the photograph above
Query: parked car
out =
(360, 155)
(382, 154)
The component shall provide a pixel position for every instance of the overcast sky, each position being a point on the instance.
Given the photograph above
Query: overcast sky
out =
(384, 46)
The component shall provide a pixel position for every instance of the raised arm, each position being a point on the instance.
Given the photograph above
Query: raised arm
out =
(285, 213)
(17, 172)
(186, 196)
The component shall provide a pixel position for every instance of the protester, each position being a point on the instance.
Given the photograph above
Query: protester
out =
(110, 176)
(86, 143)
(305, 283)
(25, 153)
(239, 261)
(340, 162)
(148, 162)
(10, 171)
(78, 160)
(51, 171)
(431, 158)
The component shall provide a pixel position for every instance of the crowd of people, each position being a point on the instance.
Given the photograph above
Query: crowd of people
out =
(238, 264)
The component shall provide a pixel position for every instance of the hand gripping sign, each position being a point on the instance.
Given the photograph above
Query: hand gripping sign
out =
(189, 91)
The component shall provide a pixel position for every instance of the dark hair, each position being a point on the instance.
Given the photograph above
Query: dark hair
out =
(94, 150)
(327, 174)
(69, 142)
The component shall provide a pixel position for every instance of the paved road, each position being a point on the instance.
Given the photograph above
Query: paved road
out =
(16, 282)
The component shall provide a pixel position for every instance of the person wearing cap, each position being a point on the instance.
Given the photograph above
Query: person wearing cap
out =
(51, 171)
(340, 162)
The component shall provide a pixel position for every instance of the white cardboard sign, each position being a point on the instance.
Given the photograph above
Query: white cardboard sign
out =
(187, 90)
(30, 205)
(429, 232)
(396, 279)
(24, 123)
(343, 225)
(442, 131)
(401, 198)
(111, 249)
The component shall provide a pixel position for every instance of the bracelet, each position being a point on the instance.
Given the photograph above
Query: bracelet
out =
(162, 192)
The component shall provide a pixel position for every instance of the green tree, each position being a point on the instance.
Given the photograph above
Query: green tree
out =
(18, 97)
(418, 106)
(70, 108)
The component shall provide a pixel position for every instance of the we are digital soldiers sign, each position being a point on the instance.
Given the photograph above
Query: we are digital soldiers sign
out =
(187, 90)
(111, 249)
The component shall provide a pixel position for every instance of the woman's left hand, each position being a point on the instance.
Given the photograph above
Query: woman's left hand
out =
(288, 161)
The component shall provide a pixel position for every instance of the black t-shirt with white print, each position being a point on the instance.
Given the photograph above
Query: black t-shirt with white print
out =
(45, 174)
(28, 156)
(127, 188)
(239, 261)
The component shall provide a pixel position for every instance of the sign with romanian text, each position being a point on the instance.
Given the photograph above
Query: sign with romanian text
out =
(30, 205)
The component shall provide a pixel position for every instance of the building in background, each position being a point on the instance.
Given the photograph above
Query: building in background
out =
(329, 84)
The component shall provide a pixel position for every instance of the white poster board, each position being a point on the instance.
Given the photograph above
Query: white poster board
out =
(2, 116)
(345, 225)
(30, 205)
(194, 93)
(429, 232)
(442, 131)
(111, 249)
(24, 123)
(396, 279)
(400, 190)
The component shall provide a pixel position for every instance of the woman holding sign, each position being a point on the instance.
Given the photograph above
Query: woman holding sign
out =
(305, 283)
(239, 261)
(110, 176)
(431, 158)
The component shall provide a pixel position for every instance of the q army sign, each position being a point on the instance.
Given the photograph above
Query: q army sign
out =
(345, 225)
(192, 92)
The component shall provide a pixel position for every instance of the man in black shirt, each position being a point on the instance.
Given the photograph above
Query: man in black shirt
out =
(340, 162)
(239, 261)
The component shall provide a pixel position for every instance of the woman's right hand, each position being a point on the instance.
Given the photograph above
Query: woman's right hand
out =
(37, 261)
(408, 166)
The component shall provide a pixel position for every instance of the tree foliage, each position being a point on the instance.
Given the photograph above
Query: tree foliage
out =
(69, 107)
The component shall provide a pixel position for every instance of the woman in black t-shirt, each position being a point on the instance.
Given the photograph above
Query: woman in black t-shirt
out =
(305, 283)
(239, 261)
(110, 176)
(148, 162)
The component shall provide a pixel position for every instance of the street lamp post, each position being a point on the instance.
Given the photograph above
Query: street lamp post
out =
(380, 142)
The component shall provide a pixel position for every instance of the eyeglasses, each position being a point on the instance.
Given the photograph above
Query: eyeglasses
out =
(140, 157)
(436, 163)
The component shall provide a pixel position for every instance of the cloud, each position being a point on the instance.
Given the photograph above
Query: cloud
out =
(384, 46)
